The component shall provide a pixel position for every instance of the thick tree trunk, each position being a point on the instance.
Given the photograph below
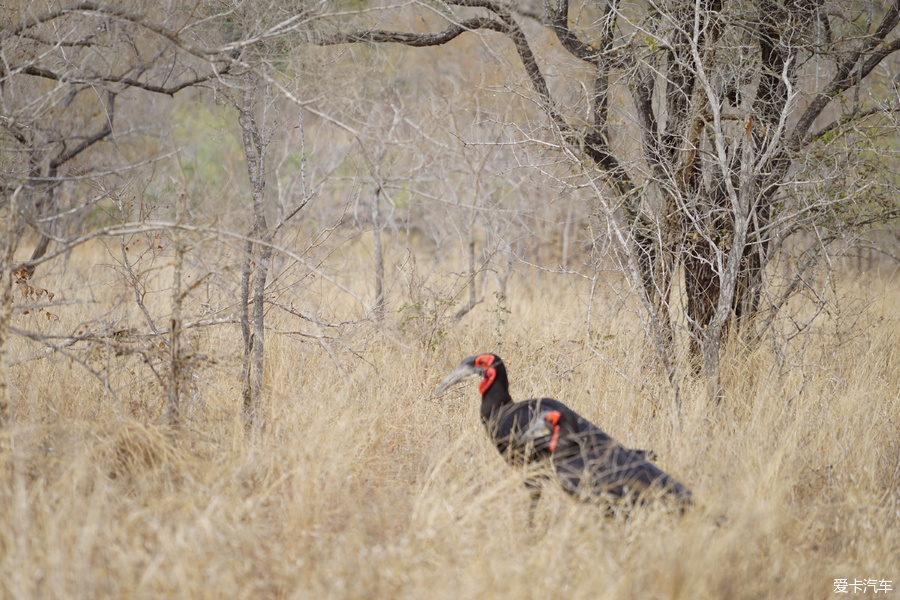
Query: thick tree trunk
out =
(702, 288)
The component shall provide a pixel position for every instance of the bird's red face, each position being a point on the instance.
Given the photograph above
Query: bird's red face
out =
(485, 361)
(552, 419)
(486, 366)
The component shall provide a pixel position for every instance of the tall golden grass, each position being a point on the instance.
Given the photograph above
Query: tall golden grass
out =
(360, 485)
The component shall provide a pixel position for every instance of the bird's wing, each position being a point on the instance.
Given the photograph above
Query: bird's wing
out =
(608, 468)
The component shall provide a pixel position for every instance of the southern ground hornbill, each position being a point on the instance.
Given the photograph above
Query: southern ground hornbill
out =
(595, 467)
(588, 463)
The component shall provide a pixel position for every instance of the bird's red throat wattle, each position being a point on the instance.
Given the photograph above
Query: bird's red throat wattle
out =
(490, 374)
(488, 381)
(553, 419)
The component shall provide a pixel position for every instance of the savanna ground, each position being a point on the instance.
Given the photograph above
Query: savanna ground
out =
(360, 485)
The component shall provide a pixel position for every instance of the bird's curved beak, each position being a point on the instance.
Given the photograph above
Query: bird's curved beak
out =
(538, 429)
(465, 371)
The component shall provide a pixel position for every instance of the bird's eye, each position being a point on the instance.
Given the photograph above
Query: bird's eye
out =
(483, 361)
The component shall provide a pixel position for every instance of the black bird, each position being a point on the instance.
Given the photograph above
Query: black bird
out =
(594, 467)
(523, 434)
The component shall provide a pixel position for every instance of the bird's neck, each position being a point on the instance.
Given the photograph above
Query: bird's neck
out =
(494, 398)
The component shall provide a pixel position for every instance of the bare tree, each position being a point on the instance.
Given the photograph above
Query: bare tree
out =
(68, 72)
(63, 70)
(711, 137)
(256, 136)
(75, 84)
(257, 94)
(731, 104)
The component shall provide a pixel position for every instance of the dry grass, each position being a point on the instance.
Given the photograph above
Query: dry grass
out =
(360, 486)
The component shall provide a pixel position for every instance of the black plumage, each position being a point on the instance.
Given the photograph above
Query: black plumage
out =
(594, 467)
(587, 462)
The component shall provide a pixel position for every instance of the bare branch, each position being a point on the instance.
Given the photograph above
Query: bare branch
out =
(559, 22)
(417, 40)
(849, 72)
(128, 81)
